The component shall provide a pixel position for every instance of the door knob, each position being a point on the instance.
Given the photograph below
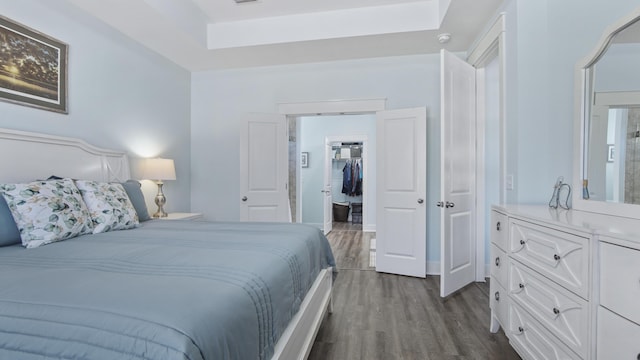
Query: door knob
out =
(420, 201)
(440, 204)
(244, 198)
(449, 205)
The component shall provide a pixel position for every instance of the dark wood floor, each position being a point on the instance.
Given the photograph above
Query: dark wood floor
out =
(383, 316)
(350, 246)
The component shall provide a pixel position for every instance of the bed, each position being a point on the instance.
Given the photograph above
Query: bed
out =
(162, 290)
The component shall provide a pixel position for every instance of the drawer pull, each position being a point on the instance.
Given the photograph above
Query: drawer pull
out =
(522, 242)
(556, 257)
(521, 286)
(497, 295)
(498, 226)
(520, 329)
(556, 311)
(498, 261)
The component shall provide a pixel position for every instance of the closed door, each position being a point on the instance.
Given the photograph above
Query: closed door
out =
(401, 192)
(263, 168)
(458, 171)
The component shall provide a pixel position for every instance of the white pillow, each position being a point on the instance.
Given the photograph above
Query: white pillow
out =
(109, 206)
(47, 211)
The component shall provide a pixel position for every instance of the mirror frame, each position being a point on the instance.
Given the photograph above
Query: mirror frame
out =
(582, 98)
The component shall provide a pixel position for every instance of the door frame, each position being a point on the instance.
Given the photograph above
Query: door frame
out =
(328, 107)
(491, 46)
(364, 139)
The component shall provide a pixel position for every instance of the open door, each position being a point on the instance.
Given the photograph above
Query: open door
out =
(458, 171)
(264, 168)
(401, 192)
(326, 190)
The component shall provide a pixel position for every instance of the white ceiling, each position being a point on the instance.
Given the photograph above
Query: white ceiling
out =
(217, 34)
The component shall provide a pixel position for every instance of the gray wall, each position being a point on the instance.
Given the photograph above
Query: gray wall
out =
(121, 95)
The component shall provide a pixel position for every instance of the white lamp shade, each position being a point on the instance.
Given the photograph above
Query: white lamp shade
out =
(159, 169)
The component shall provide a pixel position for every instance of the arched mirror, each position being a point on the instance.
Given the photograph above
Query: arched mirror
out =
(608, 124)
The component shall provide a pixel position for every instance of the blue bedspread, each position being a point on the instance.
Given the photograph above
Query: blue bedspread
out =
(166, 290)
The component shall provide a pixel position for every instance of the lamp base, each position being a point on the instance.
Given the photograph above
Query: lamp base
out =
(160, 201)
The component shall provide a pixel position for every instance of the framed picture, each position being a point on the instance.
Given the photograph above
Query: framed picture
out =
(33, 67)
(611, 153)
(304, 159)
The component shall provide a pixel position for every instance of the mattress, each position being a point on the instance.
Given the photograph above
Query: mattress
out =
(165, 290)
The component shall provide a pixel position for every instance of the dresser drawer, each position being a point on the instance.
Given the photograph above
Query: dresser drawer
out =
(532, 340)
(618, 338)
(620, 280)
(499, 262)
(499, 230)
(498, 301)
(562, 257)
(562, 312)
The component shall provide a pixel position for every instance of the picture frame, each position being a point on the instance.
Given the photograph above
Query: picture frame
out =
(304, 159)
(33, 67)
(610, 153)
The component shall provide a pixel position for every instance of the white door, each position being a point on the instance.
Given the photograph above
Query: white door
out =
(401, 191)
(458, 171)
(264, 168)
(326, 190)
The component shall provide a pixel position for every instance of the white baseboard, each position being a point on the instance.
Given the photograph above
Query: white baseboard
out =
(433, 267)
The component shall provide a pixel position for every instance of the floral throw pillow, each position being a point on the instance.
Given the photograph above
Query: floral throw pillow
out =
(109, 206)
(47, 211)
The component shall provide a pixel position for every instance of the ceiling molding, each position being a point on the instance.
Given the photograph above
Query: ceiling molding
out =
(195, 36)
(372, 20)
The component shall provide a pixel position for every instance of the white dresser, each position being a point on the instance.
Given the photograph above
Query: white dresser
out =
(565, 284)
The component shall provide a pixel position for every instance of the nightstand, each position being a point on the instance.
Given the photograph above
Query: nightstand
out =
(183, 216)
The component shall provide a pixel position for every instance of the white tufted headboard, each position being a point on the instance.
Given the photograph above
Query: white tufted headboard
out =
(28, 156)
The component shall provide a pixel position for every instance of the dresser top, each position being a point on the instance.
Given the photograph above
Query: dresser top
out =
(615, 229)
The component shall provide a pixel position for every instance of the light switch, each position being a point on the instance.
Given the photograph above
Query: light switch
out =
(510, 182)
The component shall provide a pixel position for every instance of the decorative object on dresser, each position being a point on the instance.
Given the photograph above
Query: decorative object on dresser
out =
(33, 67)
(158, 170)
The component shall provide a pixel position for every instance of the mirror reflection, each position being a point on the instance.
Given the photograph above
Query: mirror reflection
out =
(613, 166)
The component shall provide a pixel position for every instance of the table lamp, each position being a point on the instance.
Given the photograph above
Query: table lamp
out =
(158, 170)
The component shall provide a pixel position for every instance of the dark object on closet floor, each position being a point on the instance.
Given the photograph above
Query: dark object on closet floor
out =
(356, 208)
(356, 213)
(340, 212)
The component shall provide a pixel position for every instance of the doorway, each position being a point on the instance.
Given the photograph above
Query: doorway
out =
(318, 138)
(343, 190)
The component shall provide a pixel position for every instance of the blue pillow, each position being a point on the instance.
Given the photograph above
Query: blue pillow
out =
(9, 234)
(134, 191)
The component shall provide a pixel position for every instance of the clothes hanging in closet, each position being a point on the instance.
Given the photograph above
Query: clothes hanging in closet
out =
(352, 178)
